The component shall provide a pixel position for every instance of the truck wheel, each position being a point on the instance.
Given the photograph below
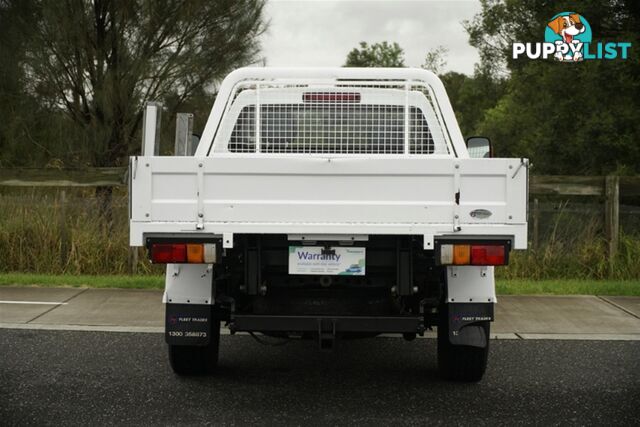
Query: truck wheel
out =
(461, 362)
(196, 360)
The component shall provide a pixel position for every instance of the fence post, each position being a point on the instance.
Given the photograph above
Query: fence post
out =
(611, 214)
(62, 227)
(133, 259)
(536, 218)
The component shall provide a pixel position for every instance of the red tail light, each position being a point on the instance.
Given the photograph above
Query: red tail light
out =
(183, 253)
(331, 97)
(474, 254)
(487, 255)
(163, 253)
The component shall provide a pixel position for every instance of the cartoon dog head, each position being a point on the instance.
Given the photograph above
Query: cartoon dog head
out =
(567, 26)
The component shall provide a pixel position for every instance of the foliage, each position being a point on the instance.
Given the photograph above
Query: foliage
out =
(40, 233)
(574, 248)
(43, 232)
(471, 97)
(567, 118)
(376, 55)
(120, 281)
(436, 59)
(99, 61)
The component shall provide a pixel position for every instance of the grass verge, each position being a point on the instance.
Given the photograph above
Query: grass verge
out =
(568, 287)
(503, 286)
(52, 281)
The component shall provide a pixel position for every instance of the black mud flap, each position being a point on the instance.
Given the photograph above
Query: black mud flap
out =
(467, 323)
(188, 324)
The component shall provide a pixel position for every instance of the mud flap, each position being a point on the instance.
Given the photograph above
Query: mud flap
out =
(188, 324)
(467, 323)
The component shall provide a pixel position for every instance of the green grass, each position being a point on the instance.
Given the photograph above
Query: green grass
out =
(503, 287)
(42, 232)
(82, 281)
(568, 287)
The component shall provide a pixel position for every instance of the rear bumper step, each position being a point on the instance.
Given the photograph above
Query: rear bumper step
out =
(332, 324)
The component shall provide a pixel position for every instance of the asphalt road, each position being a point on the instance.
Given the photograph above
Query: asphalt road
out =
(89, 378)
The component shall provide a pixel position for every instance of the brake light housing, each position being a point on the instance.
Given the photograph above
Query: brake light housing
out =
(334, 97)
(473, 253)
(182, 253)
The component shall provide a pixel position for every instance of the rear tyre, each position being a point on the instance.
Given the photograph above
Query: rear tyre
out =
(461, 362)
(196, 360)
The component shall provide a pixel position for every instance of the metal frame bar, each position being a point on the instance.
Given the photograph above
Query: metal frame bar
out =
(151, 121)
(307, 75)
(382, 324)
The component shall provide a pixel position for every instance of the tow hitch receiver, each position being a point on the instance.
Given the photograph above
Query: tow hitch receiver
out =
(326, 333)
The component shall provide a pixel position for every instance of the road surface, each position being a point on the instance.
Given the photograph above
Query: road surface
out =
(89, 378)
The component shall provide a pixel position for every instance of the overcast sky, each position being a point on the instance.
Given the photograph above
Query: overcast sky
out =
(321, 33)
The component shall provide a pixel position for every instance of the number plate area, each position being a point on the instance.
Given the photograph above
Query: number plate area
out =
(336, 261)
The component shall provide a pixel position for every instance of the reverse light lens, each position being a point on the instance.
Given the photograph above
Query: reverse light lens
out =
(487, 255)
(210, 254)
(446, 254)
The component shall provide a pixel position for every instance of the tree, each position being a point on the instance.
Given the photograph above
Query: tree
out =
(99, 61)
(436, 59)
(472, 96)
(376, 55)
(579, 118)
(18, 109)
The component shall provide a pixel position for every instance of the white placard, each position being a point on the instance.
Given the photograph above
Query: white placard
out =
(346, 261)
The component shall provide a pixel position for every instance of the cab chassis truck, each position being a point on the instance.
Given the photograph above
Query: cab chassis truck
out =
(325, 204)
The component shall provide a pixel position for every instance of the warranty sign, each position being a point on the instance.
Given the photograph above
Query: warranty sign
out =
(340, 261)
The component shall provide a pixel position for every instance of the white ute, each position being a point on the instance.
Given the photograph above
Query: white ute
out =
(327, 203)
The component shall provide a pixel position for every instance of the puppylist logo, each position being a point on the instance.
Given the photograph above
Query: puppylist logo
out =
(568, 38)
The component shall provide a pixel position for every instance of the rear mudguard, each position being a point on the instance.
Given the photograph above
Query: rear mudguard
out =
(469, 304)
(188, 324)
(468, 323)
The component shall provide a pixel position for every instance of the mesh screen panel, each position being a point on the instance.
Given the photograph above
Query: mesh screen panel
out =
(341, 128)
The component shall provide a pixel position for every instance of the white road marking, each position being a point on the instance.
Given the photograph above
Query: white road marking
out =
(581, 337)
(34, 302)
(86, 328)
